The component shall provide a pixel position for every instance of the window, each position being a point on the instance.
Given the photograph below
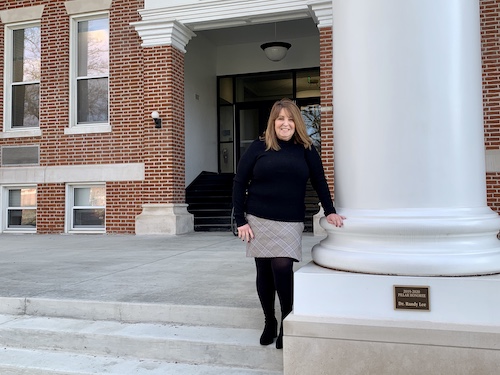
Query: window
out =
(21, 208)
(90, 71)
(87, 207)
(22, 77)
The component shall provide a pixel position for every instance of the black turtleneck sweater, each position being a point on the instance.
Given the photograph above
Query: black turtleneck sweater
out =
(276, 182)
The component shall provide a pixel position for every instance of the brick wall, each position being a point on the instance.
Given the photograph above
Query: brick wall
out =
(164, 153)
(128, 118)
(326, 84)
(490, 35)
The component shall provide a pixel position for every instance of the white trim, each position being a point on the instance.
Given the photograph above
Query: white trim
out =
(74, 127)
(74, 173)
(156, 24)
(69, 198)
(31, 132)
(4, 220)
(7, 130)
(87, 129)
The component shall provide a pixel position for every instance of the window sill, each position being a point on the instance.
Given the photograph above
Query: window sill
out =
(87, 231)
(20, 231)
(21, 133)
(86, 129)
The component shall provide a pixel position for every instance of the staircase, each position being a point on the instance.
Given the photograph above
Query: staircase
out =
(209, 199)
(49, 337)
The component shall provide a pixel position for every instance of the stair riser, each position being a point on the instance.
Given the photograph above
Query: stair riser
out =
(134, 312)
(264, 358)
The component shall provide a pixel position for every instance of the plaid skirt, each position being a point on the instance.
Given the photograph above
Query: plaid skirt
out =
(275, 239)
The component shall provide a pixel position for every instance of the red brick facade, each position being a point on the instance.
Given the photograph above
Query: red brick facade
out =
(326, 84)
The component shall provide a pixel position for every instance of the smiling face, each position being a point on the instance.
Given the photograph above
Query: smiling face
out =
(284, 126)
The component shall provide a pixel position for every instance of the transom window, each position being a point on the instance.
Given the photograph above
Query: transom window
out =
(87, 207)
(21, 208)
(22, 76)
(90, 67)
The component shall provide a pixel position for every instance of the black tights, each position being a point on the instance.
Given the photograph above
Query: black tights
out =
(275, 275)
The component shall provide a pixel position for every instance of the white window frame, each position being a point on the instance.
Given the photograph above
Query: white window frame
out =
(70, 198)
(74, 127)
(8, 131)
(7, 208)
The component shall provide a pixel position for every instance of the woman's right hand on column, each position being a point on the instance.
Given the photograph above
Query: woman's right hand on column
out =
(245, 233)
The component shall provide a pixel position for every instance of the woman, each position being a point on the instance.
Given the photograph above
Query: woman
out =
(270, 187)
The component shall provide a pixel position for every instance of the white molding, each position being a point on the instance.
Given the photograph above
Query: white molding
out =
(88, 129)
(36, 132)
(73, 173)
(156, 23)
(322, 13)
(167, 32)
(86, 6)
(21, 14)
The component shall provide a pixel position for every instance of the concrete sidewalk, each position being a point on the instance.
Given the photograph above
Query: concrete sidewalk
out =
(208, 269)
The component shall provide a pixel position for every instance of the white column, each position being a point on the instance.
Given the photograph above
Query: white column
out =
(409, 144)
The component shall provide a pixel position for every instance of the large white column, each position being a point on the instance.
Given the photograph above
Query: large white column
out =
(409, 147)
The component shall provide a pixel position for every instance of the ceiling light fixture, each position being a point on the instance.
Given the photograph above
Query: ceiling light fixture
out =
(275, 51)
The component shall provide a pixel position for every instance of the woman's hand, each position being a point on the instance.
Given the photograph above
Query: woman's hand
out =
(336, 219)
(245, 233)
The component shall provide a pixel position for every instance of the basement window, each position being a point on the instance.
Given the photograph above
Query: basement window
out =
(86, 208)
(20, 213)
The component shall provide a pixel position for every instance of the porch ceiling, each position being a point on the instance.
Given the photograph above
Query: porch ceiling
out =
(285, 30)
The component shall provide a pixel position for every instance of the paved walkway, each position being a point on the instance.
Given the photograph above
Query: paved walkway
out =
(194, 269)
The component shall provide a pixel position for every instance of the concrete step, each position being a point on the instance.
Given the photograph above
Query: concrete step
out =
(222, 340)
(38, 362)
(221, 316)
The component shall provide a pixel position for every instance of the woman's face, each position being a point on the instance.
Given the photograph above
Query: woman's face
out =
(284, 126)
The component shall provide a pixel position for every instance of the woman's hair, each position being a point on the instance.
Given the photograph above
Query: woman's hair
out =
(300, 136)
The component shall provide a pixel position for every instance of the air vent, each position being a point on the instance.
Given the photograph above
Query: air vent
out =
(20, 155)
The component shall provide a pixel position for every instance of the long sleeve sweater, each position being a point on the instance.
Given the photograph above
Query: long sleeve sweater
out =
(276, 182)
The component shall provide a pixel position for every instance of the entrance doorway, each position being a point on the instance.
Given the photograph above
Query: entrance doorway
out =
(245, 102)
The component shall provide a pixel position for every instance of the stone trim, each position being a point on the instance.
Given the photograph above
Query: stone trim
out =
(86, 6)
(21, 14)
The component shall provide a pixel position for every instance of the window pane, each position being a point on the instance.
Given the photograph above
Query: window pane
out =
(264, 87)
(25, 106)
(226, 124)
(93, 100)
(312, 118)
(26, 55)
(85, 218)
(93, 48)
(226, 90)
(90, 196)
(308, 84)
(21, 218)
(22, 197)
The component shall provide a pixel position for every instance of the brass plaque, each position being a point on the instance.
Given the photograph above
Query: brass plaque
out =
(411, 298)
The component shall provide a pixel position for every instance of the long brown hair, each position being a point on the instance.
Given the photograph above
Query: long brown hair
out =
(300, 135)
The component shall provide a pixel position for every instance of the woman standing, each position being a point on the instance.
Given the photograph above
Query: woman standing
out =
(270, 187)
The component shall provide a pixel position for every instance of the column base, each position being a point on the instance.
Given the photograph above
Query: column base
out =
(420, 242)
(168, 218)
(314, 345)
(346, 323)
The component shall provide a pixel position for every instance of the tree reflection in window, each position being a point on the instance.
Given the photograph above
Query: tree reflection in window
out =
(312, 119)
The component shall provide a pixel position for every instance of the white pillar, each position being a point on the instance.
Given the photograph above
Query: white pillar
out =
(409, 144)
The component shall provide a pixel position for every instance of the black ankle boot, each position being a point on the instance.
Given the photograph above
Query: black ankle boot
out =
(279, 341)
(270, 332)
